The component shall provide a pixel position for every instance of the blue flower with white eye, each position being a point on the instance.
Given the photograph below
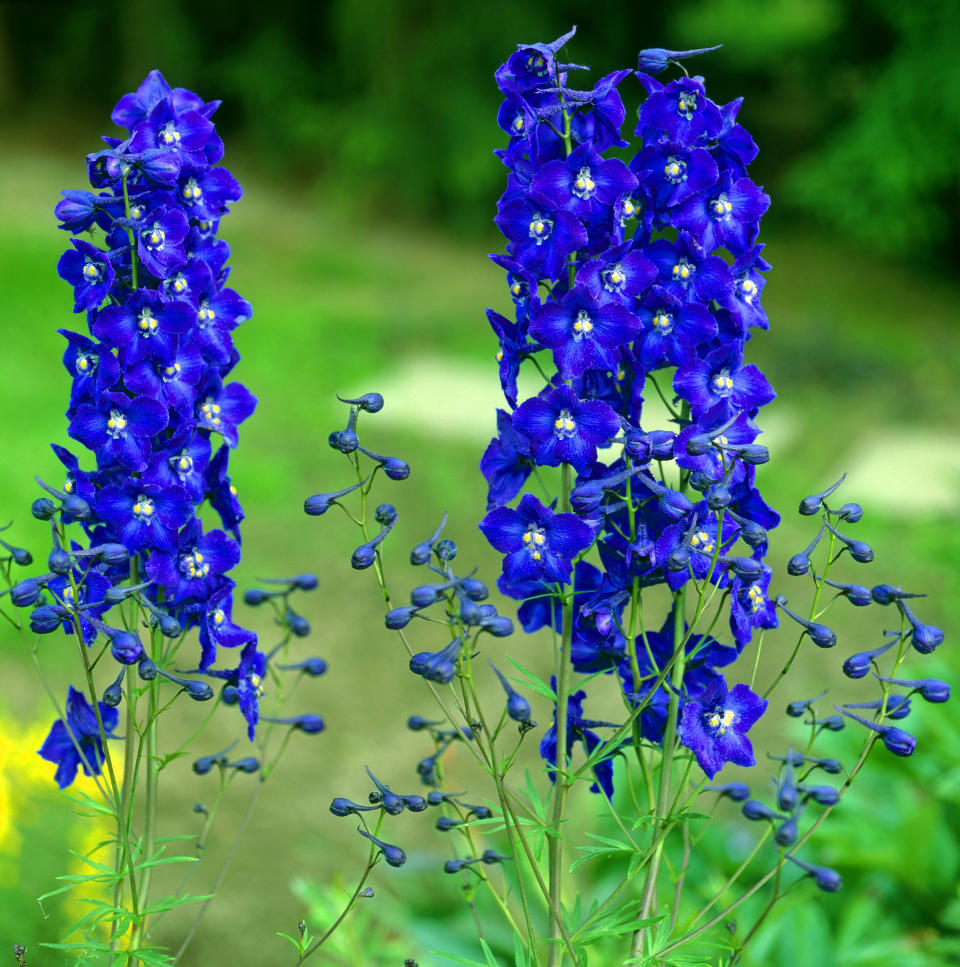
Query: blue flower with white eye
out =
(541, 234)
(160, 240)
(672, 329)
(222, 410)
(671, 173)
(565, 429)
(727, 216)
(619, 275)
(217, 628)
(584, 182)
(583, 334)
(119, 428)
(506, 463)
(680, 111)
(145, 515)
(720, 378)
(77, 742)
(92, 367)
(89, 271)
(143, 327)
(687, 272)
(539, 544)
(714, 725)
(196, 566)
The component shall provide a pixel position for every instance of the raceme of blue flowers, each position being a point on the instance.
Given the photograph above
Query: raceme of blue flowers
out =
(150, 397)
(621, 273)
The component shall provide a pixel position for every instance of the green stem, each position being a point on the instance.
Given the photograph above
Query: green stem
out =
(152, 784)
(555, 841)
(649, 897)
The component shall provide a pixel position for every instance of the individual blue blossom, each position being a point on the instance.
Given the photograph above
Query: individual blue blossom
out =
(539, 543)
(720, 377)
(145, 515)
(714, 725)
(565, 429)
(670, 173)
(680, 110)
(620, 274)
(119, 429)
(89, 271)
(727, 216)
(195, 568)
(582, 333)
(76, 741)
(143, 327)
(542, 234)
(222, 410)
(672, 329)
(506, 463)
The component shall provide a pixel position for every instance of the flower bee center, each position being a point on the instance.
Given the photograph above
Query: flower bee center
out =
(169, 135)
(687, 104)
(540, 228)
(147, 323)
(584, 185)
(535, 540)
(219, 617)
(153, 237)
(178, 283)
(722, 383)
(85, 364)
(170, 373)
(68, 485)
(564, 425)
(582, 325)
(719, 720)
(519, 290)
(136, 212)
(675, 170)
(748, 289)
(192, 192)
(628, 207)
(662, 321)
(90, 271)
(683, 270)
(720, 207)
(116, 424)
(210, 411)
(755, 598)
(182, 464)
(614, 278)
(517, 125)
(702, 542)
(206, 315)
(142, 508)
(193, 564)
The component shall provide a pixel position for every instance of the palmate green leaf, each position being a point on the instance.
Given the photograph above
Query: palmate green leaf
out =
(94, 806)
(606, 847)
(531, 681)
(172, 902)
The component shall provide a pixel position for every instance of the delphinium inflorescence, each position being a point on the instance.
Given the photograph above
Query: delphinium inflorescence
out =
(624, 276)
(134, 568)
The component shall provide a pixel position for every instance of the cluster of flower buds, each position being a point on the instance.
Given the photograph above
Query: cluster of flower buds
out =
(795, 792)
(621, 274)
(924, 638)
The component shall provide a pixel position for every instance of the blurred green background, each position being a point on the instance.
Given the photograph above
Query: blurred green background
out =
(362, 133)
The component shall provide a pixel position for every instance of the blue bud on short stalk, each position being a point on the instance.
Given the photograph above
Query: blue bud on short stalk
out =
(309, 666)
(421, 553)
(125, 647)
(393, 467)
(800, 562)
(858, 665)
(298, 625)
(929, 689)
(446, 823)
(826, 879)
(786, 833)
(797, 709)
(320, 503)
(344, 807)
(76, 509)
(654, 60)
(851, 513)
(896, 740)
(385, 514)
(822, 795)
(399, 618)
(371, 402)
(811, 505)
(366, 554)
(230, 695)
(27, 592)
(888, 594)
(925, 637)
(474, 589)
(59, 561)
(146, 669)
(309, 723)
(392, 854)
(755, 810)
(417, 723)
(47, 618)
(860, 551)
(820, 634)
(248, 765)
(736, 791)
(518, 708)
(43, 508)
(391, 802)
(113, 693)
(446, 550)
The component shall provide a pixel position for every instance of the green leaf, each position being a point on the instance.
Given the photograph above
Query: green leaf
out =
(531, 681)
(172, 902)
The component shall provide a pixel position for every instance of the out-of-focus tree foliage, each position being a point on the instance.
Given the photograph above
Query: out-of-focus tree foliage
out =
(388, 104)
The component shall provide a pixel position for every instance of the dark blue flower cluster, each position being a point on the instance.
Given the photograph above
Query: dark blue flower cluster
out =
(150, 395)
(620, 275)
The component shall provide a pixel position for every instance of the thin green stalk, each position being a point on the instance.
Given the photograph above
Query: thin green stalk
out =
(555, 842)
(649, 898)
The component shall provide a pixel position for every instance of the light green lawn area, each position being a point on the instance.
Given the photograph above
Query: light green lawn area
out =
(863, 354)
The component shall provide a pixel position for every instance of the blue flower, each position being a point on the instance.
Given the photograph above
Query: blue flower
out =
(578, 731)
(80, 730)
(119, 429)
(680, 111)
(582, 333)
(714, 726)
(565, 429)
(89, 271)
(542, 235)
(539, 544)
(506, 463)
